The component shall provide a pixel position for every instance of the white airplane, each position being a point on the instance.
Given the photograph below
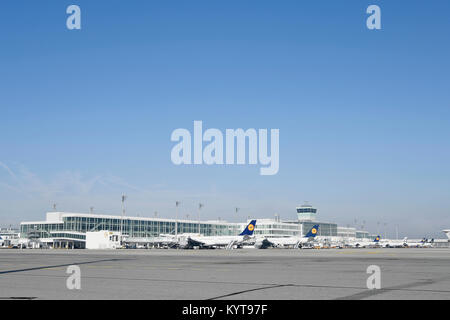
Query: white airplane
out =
(447, 232)
(393, 243)
(425, 243)
(217, 241)
(296, 242)
(163, 240)
(364, 243)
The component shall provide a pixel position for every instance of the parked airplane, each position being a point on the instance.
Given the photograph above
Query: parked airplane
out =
(162, 241)
(424, 243)
(217, 241)
(394, 243)
(364, 243)
(296, 242)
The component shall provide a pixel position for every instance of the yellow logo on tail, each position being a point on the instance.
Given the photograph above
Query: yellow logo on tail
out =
(314, 231)
(251, 227)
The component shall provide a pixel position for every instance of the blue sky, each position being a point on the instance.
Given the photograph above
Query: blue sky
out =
(364, 116)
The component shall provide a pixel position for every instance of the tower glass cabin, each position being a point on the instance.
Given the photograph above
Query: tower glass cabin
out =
(306, 212)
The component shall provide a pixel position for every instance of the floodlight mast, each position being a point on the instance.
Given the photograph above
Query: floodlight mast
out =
(177, 203)
(124, 197)
(200, 206)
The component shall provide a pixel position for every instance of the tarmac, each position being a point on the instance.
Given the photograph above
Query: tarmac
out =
(245, 274)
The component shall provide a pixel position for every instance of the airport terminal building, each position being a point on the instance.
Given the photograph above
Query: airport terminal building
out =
(63, 229)
(70, 228)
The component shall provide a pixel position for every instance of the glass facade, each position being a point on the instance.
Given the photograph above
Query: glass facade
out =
(61, 226)
(73, 225)
(272, 228)
(306, 210)
(276, 229)
(363, 235)
(325, 229)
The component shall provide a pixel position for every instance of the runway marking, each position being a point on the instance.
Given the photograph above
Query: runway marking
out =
(58, 266)
(250, 290)
(403, 287)
(18, 298)
(360, 295)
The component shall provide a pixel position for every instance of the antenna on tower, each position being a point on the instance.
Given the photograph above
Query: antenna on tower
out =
(54, 207)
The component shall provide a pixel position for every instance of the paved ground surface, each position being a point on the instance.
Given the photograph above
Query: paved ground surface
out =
(220, 274)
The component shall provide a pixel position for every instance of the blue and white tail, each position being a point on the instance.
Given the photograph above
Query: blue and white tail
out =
(377, 239)
(249, 229)
(313, 232)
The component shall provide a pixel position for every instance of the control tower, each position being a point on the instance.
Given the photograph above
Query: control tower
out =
(306, 212)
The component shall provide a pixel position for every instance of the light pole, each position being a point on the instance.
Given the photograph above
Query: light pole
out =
(200, 206)
(177, 203)
(124, 197)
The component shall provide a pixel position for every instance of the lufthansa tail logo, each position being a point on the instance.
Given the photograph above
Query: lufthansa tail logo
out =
(313, 231)
(251, 227)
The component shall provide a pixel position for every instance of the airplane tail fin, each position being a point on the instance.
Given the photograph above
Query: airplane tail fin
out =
(313, 232)
(377, 239)
(249, 229)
